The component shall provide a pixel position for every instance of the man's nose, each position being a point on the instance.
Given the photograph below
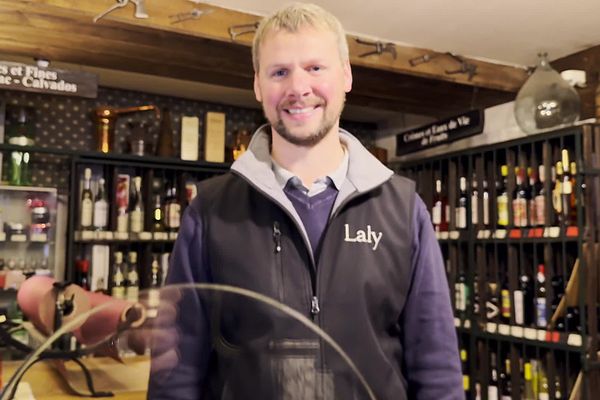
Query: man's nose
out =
(299, 84)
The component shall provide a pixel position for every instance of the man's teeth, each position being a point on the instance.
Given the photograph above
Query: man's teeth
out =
(300, 110)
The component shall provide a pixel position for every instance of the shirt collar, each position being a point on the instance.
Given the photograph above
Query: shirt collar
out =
(337, 177)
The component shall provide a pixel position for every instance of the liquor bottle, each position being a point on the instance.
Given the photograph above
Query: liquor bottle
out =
(519, 202)
(486, 205)
(132, 287)
(101, 208)
(557, 193)
(118, 277)
(543, 387)
(541, 318)
(493, 382)
(528, 393)
(461, 292)
(157, 215)
(531, 195)
(567, 188)
(464, 361)
(21, 134)
(573, 198)
(476, 297)
(136, 210)
(523, 299)
(502, 198)
(492, 305)
(87, 202)
(505, 380)
(438, 212)
(155, 278)
(540, 197)
(461, 207)
(557, 390)
(165, 147)
(172, 210)
(505, 301)
(83, 269)
(474, 201)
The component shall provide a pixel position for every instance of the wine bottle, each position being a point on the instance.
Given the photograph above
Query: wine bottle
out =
(165, 135)
(502, 198)
(506, 382)
(523, 299)
(493, 382)
(505, 301)
(567, 188)
(540, 197)
(87, 202)
(157, 215)
(528, 393)
(172, 210)
(101, 208)
(438, 213)
(133, 283)
(557, 193)
(519, 203)
(541, 318)
(474, 201)
(486, 205)
(461, 294)
(461, 207)
(118, 277)
(136, 211)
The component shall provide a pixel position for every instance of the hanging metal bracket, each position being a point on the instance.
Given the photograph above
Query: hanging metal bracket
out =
(465, 67)
(238, 30)
(379, 48)
(195, 13)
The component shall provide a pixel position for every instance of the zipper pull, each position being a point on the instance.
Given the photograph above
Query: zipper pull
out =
(277, 237)
(314, 306)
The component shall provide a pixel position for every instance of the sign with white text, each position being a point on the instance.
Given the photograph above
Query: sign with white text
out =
(30, 78)
(441, 132)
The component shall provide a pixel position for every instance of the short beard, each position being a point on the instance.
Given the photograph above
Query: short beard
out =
(310, 140)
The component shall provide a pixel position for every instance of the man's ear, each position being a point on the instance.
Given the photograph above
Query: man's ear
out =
(347, 76)
(257, 92)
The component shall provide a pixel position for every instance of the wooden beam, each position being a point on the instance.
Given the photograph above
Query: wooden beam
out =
(216, 21)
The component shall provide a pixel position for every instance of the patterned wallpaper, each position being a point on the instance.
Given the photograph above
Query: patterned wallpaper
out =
(67, 123)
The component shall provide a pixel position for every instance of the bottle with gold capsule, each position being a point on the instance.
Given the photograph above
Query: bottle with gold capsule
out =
(502, 198)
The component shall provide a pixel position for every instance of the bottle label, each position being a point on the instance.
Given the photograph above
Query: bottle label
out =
(543, 396)
(460, 296)
(540, 309)
(122, 223)
(86, 212)
(436, 213)
(540, 210)
(173, 215)
(132, 293)
(502, 210)
(461, 217)
(100, 214)
(136, 221)
(118, 292)
(519, 315)
(466, 383)
(566, 187)
(474, 209)
(505, 294)
(492, 392)
(519, 212)
(486, 211)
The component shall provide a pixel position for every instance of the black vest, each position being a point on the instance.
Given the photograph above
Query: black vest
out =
(361, 280)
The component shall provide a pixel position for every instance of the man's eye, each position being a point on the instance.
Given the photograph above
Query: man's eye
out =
(315, 68)
(280, 73)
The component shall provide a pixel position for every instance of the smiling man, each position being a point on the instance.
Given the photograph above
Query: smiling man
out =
(325, 229)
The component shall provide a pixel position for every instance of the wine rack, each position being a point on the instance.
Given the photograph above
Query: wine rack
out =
(519, 235)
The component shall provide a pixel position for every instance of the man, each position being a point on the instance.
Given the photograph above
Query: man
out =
(308, 217)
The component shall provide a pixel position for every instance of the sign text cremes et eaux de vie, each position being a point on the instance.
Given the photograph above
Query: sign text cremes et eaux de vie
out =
(441, 132)
(31, 78)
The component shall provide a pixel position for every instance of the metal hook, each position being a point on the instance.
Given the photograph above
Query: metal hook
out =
(238, 30)
(380, 48)
(194, 14)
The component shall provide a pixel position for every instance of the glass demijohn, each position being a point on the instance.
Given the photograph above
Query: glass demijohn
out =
(546, 100)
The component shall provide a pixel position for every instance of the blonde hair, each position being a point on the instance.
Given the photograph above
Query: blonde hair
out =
(292, 18)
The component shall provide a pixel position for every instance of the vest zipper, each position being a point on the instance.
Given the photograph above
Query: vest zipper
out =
(277, 240)
(314, 306)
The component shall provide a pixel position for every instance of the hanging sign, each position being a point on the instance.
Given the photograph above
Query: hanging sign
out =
(31, 78)
(441, 132)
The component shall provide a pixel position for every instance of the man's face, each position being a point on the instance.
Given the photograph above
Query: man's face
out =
(302, 84)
